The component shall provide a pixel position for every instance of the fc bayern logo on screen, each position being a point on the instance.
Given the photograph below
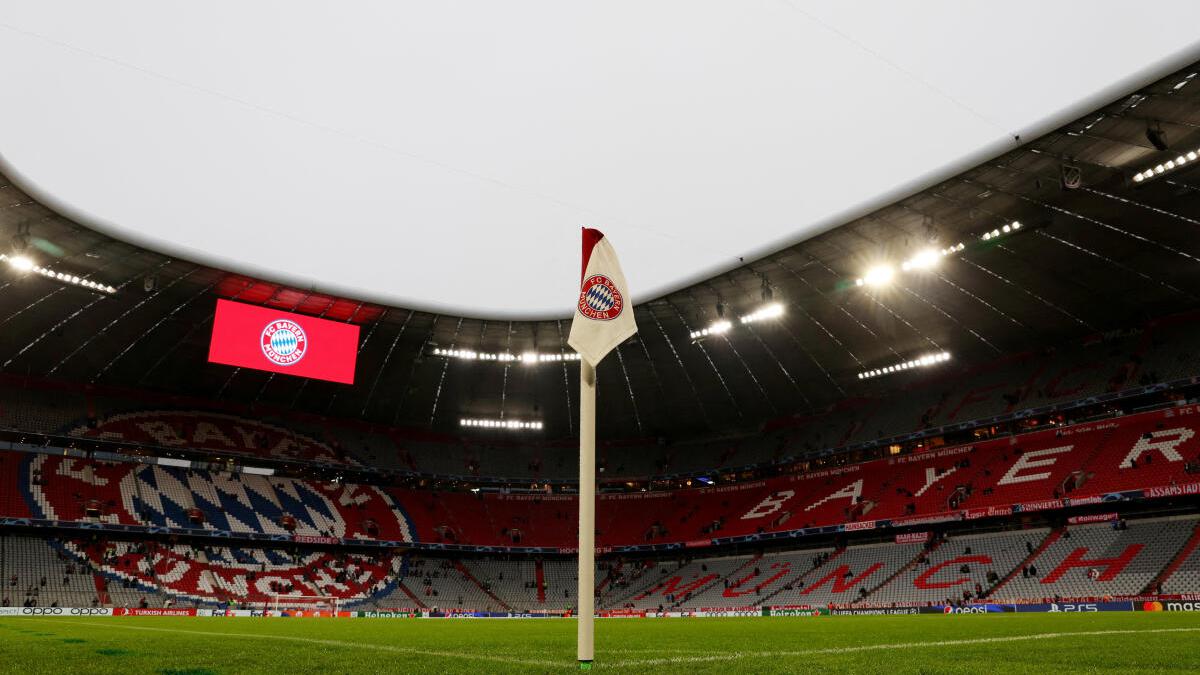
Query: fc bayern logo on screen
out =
(284, 342)
(600, 300)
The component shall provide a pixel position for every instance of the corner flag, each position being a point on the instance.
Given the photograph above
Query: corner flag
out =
(603, 320)
(603, 315)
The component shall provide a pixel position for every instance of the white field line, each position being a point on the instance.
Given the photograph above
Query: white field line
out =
(316, 641)
(735, 656)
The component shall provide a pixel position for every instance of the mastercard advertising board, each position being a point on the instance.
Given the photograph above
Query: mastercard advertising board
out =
(268, 339)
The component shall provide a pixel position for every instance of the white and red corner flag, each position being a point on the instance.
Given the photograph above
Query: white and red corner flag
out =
(603, 315)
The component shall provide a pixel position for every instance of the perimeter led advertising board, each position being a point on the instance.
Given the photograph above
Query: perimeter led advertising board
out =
(267, 339)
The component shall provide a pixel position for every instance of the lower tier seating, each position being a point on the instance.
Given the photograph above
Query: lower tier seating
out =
(1080, 561)
(1100, 560)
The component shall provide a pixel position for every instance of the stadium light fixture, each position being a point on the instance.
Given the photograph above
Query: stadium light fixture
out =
(715, 329)
(919, 362)
(528, 358)
(511, 425)
(771, 311)
(879, 275)
(1006, 229)
(1166, 167)
(23, 263)
(924, 260)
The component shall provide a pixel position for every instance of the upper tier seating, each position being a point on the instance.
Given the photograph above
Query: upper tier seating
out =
(1165, 349)
(66, 488)
(1027, 472)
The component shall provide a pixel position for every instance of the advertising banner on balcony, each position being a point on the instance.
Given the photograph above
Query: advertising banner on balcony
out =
(913, 537)
(1092, 518)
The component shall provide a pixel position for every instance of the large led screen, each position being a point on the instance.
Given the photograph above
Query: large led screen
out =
(282, 342)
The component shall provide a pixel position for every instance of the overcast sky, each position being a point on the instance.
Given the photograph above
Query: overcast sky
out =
(442, 155)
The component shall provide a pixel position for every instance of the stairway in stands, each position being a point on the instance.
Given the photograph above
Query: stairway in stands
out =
(408, 591)
(615, 572)
(1086, 464)
(1051, 537)
(541, 582)
(471, 577)
(101, 589)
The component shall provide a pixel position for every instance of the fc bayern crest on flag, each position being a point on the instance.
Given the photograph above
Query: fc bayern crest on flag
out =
(284, 342)
(599, 299)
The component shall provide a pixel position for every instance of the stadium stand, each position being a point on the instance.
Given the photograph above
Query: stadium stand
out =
(1152, 450)
(449, 583)
(848, 577)
(689, 583)
(1117, 559)
(36, 574)
(1161, 350)
(209, 575)
(1182, 575)
(962, 568)
(1100, 560)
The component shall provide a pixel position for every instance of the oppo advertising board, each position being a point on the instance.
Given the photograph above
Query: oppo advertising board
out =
(267, 339)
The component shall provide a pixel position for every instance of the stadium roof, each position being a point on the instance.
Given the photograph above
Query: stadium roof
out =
(335, 147)
(1097, 249)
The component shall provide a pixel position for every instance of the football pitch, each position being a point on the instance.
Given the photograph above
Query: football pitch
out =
(1027, 643)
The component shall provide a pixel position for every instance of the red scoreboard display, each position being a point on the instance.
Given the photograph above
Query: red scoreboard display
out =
(267, 339)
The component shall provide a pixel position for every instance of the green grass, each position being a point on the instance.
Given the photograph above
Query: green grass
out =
(1155, 642)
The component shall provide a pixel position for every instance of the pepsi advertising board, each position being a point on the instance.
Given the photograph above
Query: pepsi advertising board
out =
(267, 339)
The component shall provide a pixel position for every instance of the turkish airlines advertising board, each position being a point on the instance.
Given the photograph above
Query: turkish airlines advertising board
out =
(267, 339)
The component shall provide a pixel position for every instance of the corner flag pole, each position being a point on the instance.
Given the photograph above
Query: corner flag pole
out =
(587, 511)
(603, 320)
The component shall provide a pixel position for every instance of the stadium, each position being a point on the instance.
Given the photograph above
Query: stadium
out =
(952, 428)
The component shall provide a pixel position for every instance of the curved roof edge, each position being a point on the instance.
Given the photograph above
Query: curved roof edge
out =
(1019, 137)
